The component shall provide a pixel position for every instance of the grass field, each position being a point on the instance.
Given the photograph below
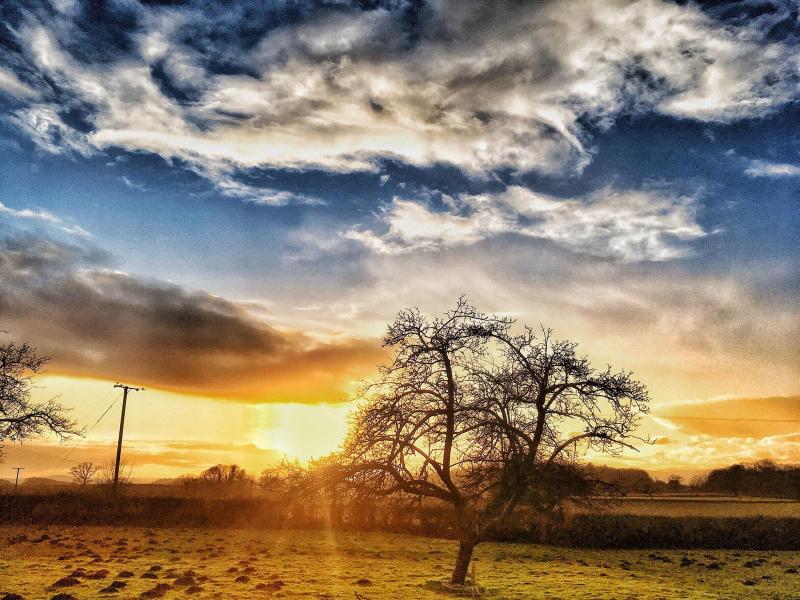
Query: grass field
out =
(236, 564)
(704, 506)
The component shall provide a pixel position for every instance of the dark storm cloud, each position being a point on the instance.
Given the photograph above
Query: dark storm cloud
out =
(98, 322)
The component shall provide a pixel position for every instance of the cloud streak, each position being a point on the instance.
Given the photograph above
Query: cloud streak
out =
(46, 217)
(761, 168)
(629, 226)
(12, 86)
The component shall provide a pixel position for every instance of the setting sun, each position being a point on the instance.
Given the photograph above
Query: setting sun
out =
(301, 431)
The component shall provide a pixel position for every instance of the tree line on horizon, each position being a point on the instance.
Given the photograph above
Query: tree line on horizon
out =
(763, 478)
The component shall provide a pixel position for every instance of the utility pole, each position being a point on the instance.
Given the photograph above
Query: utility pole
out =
(125, 390)
(16, 481)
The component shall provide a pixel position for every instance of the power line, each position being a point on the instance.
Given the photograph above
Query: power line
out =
(88, 431)
(99, 402)
(105, 412)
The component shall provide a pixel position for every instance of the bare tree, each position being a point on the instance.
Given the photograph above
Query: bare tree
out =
(289, 484)
(106, 471)
(674, 483)
(21, 417)
(84, 472)
(699, 481)
(287, 481)
(484, 419)
(221, 480)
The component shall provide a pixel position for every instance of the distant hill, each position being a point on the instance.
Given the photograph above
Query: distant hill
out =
(60, 478)
(626, 479)
(166, 481)
(44, 481)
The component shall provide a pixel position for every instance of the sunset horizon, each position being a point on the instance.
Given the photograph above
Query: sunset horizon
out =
(386, 299)
(227, 206)
(303, 432)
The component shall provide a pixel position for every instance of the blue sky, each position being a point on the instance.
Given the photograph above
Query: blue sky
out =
(627, 172)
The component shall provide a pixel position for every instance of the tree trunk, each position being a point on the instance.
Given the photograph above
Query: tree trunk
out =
(465, 548)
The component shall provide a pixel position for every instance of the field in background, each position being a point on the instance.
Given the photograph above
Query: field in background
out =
(236, 564)
(702, 506)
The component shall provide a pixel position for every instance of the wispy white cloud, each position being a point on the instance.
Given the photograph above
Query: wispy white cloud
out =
(47, 130)
(11, 85)
(761, 168)
(629, 226)
(129, 111)
(132, 184)
(225, 180)
(511, 86)
(46, 217)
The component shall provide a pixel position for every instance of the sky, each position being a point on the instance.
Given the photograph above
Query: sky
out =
(226, 203)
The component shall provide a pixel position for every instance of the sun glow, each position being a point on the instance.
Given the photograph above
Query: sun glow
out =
(302, 431)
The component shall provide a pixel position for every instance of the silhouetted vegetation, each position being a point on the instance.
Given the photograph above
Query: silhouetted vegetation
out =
(220, 480)
(21, 417)
(763, 478)
(83, 473)
(472, 414)
(460, 438)
(105, 473)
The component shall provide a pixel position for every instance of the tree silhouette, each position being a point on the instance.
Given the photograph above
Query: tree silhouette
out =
(82, 473)
(484, 419)
(21, 417)
(226, 475)
(674, 483)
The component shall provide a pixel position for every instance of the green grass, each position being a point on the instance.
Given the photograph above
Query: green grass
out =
(333, 565)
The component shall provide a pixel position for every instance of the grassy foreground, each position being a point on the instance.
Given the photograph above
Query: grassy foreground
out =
(237, 564)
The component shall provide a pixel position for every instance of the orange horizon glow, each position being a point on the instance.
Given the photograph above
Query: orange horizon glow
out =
(169, 434)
